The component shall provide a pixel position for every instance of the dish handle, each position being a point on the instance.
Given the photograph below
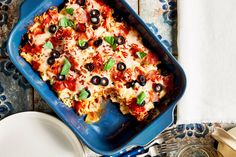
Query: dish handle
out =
(155, 128)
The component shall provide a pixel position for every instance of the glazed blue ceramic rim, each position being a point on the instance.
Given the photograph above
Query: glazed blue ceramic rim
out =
(140, 139)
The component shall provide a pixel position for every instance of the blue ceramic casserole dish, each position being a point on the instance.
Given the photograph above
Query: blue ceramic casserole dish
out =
(114, 132)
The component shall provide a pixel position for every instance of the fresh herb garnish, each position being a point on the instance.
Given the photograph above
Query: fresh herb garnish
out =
(48, 45)
(66, 68)
(69, 11)
(112, 41)
(81, 43)
(83, 94)
(109, 64)
(141, 98)
(141, 55)
(64, 22)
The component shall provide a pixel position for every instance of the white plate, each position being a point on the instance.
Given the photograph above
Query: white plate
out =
(224, 149)
(34, 134)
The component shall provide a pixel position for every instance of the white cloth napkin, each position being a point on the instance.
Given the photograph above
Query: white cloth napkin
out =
(207, 52)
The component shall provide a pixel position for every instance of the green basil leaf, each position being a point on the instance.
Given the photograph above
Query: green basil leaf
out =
(141, 98)
(64, 22)
(112, 41)
(83, 94)
(81, 43)
(109, 64)
(69, 11)
(141, 55)
(114, 46)
(48, 45)
(66, 68)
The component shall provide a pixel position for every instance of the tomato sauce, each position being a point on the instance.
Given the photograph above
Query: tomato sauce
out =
(82, 82)
(70, 84)
(53, 14)
(77, 106)
(38, 31)
(46, 21)
(124, 76)
(106, 11)
(100, 2)
(54, 69)
(55, 41)
(134, 49)
(104, 24)
(117, 76)
(61, 85)
(63, 33)
(35, 65)
(32, 49)
(125, 54)
(123, 30)
(66, 33)
(97, 61)
(151, 58)
(134, 107)
(73, 62)
(153, 75)
(58, 86)
(138, 71)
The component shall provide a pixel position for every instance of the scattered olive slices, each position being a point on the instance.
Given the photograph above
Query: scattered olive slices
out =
(89, 53)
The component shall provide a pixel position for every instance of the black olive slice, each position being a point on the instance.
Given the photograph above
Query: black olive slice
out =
(142, 80)
(158, 87)
(55, 54)
(94, 13)
(121, 66)
(61, 77)
(120, 40)
(51, 60)
(104, 81)
(130, 84)
(84, 46)
(89, 66)
(96, 80)
(52, 28)
(95, 20)
(88, 93)
(98, 42)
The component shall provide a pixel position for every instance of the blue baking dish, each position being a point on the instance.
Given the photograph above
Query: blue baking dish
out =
(114, 132)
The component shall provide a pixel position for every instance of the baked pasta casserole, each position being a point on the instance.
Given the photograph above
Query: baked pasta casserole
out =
(89, 54)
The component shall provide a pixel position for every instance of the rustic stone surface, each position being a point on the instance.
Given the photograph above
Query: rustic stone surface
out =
(9, 13)
(15, 92)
